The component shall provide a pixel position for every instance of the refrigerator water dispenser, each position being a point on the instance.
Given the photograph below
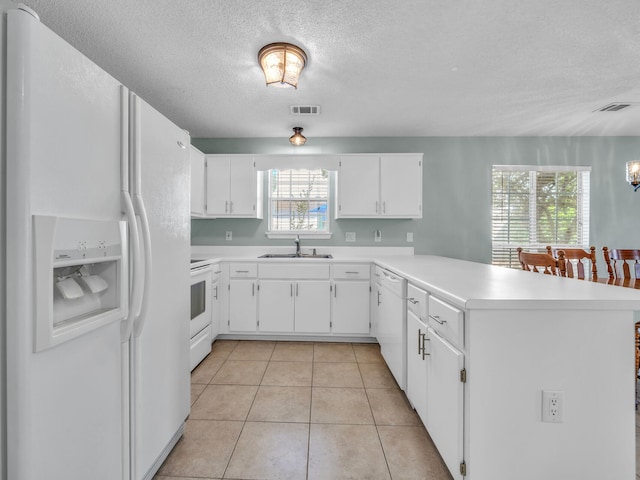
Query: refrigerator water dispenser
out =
(80, 276)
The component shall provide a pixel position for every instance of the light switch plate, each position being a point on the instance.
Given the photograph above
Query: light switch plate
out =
(229, 236)
(350, 236)
(410, 237)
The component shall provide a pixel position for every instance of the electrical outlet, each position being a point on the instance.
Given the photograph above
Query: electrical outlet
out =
(229, 236)
(409, 237)
(350, 236)
(377, 236)
(552, 406)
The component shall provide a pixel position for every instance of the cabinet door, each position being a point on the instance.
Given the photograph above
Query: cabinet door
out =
(401, 185)
(416, 365)
(445, 397)
(350, 314)
(215, 310)
(217, 190)
(312, 306)
(275, 311)
(358, 186)
(242, 306)
(197, 182)
(243, 186)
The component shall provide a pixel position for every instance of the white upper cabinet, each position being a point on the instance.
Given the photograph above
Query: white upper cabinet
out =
(198, 180)
(234, 187)
(381, 186)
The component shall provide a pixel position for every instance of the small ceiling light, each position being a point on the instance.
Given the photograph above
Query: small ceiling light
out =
(633, 174)
(282, 64)
(297, 138)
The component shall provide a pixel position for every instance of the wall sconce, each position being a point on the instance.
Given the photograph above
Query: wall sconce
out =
(633, 174)
(297, 138)
(282, 64)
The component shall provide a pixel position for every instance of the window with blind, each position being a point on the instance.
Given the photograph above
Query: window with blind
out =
(536, 206)
(298, 201)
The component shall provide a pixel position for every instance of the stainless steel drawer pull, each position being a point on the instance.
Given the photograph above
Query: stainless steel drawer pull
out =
(351, 273)
(437, 319)
(242, 271)
(413, 300)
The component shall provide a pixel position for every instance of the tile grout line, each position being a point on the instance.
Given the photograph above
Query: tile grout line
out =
(244, 423)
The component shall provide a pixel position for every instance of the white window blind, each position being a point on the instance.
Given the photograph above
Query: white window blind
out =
(298, 200)
(536, 206)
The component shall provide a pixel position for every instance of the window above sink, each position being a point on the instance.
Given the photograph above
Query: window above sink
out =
(298, 203)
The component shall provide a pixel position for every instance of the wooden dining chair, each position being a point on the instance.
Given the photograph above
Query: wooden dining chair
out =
(623, 266)
(578, 262)
(542, 262)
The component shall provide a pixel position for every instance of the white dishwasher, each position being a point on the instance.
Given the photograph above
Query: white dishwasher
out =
(392, 334)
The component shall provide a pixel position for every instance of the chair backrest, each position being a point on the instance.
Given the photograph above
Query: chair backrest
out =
(622, 263)
(542, 262)
(578, 262)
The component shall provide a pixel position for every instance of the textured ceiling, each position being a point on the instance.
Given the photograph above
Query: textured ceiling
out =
(376, 68)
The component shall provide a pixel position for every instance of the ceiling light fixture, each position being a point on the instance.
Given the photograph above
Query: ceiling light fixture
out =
(633, 174)
(282, 64)
(297, 138)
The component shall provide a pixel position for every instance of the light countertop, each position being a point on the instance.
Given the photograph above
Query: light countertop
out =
(472, 285)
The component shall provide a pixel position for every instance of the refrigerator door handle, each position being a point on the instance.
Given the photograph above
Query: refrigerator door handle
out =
(136, 289)
(146, 242)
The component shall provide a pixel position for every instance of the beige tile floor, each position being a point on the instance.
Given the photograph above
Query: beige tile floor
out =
(284, 410)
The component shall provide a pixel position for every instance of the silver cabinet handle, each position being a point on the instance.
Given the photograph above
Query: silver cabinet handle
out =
(379, 295)
(226, 206)
(413, 300)
(376, 207)
(242, 271)
(352, 273)
(296, 289)
(216, 292)
(253, 289)
(335, 290)
(420, 346)
(384, 207)
(231, 206)
(437, 319)
(291, 285)
(424, 345)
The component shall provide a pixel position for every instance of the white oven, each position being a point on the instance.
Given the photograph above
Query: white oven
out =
(200, 325)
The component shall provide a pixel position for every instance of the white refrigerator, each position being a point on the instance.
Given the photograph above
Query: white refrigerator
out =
(96, 348)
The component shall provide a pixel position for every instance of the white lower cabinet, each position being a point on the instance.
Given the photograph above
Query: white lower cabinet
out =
(445, 400)
(243, 299)
(276, 306)
(312, 306)
(242, 305)
(350, 307)
(417, 365)
(287, 306)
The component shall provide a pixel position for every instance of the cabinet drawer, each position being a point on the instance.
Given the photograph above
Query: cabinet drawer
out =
(351, 271)
(297, 272)
(243, 270)
(216, 272)
(447, 320)
(417, 301)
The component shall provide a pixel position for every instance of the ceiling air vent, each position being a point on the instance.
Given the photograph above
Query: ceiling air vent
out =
(615, 107)
(305, 109)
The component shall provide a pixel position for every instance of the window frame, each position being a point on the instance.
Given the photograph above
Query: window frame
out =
(583, 201)
(310, 234)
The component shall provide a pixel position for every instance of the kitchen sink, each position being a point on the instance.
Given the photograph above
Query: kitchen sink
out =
(293, 255)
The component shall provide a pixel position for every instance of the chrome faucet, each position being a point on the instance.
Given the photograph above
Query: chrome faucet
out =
(297, 241)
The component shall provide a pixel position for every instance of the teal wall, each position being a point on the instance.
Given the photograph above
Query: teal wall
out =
(457, 190)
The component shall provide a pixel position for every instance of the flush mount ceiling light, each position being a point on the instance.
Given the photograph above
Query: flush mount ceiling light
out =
(282, 64)
(297, 138)
(633, 174)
